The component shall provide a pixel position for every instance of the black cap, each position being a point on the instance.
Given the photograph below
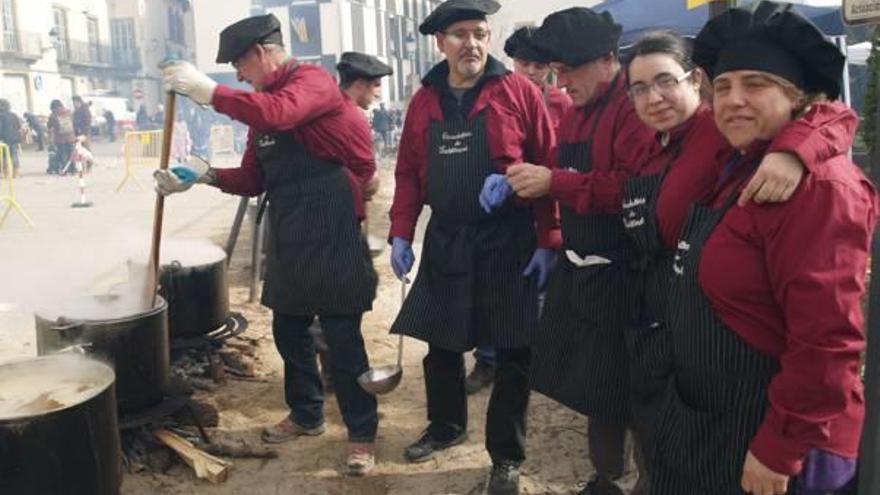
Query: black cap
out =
(356, 65)
(237, 38)
(770, 37)
(577, 36)
(452, 11)
(519, 45)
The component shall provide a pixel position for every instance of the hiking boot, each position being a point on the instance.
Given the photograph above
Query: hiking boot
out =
(601, 485)
(426, 446)
(479, 378)
(361, 459)
(286, 430)
(504, 479)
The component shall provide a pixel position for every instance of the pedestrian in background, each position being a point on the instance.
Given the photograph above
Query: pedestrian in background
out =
(82, 120)
(10, 134)
(37, 128)
(61, 137)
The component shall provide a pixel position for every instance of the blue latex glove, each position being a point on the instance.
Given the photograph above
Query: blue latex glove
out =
(542, 263)
(402, 257)
(186, 175)
(495, 192)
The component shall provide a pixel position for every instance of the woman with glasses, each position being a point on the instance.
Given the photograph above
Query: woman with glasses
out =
(763, 319)
(666, 89)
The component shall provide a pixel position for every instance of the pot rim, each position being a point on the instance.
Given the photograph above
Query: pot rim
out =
(162, 306)
(98, 366)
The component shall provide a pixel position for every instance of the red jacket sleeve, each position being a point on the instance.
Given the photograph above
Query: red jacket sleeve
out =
(541, 140)
(411, 159)
(601, 191)
(819, 289)
(301, 100)
(246, 180)
(825, 131)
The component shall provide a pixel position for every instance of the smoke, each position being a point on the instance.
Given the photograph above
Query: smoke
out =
(102, 277)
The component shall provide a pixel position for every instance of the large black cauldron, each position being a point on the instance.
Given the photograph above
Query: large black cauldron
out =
(51, 445)
(197, 295)
(136, 345)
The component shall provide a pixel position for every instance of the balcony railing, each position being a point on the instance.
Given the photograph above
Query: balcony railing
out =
(21, 44)
(84, 53)
(126, 58)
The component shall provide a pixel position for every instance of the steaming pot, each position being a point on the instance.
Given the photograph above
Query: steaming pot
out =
(136, 345)
(51, 447)
(197, 295)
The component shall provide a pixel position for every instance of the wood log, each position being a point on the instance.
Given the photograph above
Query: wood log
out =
(205, 465)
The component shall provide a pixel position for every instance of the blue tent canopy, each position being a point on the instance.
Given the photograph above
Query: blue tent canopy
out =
(640, 16)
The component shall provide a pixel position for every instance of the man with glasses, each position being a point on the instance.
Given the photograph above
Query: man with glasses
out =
(580, 358)
(485, 254)
(303, 144)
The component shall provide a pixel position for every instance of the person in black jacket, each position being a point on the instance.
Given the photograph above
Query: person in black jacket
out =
(38, 129)
(10, 134)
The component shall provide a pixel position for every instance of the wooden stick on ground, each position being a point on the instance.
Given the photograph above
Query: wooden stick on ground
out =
(205, 465)
(150, 292)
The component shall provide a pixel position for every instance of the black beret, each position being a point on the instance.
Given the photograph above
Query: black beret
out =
(237, 38)
(770, 37)
(577, 36)
(519, 45)
(452, 11)
(356, 65)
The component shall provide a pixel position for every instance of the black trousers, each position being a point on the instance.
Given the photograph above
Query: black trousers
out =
(506, 417)
(303, 390)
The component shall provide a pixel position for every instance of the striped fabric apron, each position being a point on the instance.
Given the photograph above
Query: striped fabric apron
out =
(648, 343)
(579, 353)
(317, 260)
(717, 397)
(469, 289)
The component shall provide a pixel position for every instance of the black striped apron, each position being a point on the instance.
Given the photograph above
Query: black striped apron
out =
(647, 338)
(469, 289)
(579, 352)
(317, 260)
(717, 398)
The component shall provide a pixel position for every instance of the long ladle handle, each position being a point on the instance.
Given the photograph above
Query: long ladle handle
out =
(400, 339)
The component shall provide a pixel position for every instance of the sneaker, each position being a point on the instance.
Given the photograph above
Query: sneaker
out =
(479, 378)
(426, 446)
(286, 430)
(361, 459)
(504, 479)
(601, 485)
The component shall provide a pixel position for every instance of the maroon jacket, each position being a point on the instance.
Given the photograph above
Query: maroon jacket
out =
(518, 130)
(558, 102)
(795, 293)
(308, 103)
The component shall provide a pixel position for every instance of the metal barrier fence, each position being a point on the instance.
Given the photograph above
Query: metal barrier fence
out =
(140, 149)
(7, 191)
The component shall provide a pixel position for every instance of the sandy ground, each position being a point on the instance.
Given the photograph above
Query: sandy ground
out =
(556, 438)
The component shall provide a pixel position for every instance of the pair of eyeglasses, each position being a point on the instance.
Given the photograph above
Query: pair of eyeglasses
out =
(662, 84)
(462, 35)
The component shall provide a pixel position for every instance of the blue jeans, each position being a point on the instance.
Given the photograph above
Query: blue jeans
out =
(485, 355)
(303, 390)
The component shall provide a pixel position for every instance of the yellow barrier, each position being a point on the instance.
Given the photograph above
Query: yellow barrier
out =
(7, 171)
(140, 149)
(222, 139)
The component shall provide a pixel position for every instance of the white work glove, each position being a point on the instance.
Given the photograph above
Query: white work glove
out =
(183, 78)
(180, 177)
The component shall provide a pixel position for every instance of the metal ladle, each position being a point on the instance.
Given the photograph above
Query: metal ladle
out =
(384, 379)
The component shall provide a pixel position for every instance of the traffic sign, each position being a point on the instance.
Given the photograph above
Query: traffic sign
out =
(861, 11)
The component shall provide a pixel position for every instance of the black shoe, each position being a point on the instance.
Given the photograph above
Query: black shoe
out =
(426, 446)
(504, 479)
(479, 378)
(601, 485)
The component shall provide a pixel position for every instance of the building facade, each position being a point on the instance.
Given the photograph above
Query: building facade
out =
(319, 31)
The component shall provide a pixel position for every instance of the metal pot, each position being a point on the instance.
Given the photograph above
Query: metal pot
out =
(197, 295)
(136, 345)
(67, 447)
